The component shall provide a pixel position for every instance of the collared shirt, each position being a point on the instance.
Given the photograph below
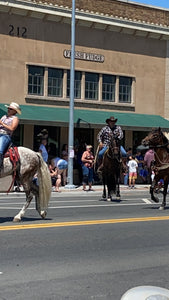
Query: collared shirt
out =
(42, 148)
(106, 133)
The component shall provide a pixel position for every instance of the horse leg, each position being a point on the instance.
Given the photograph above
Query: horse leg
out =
(109, 188)
(35, 191)
(19, 216)
(163, 204)
(29, 196)
(118, 187)
(155, 199)
(104, 186)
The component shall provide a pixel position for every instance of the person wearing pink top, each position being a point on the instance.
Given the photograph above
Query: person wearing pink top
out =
(148, 158)
(8, 123)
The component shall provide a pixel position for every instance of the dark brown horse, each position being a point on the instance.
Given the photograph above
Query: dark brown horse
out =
(158, 141)
(111, 171)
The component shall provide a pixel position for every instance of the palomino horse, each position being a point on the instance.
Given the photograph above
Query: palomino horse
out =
(111, 171)
(158, 141)
(30, 163)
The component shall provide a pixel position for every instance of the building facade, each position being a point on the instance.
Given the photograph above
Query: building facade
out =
(121, 67)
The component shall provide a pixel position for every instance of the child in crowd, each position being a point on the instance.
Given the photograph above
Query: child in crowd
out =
(133, 165)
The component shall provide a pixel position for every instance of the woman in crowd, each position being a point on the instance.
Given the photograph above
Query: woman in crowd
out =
(87, 167)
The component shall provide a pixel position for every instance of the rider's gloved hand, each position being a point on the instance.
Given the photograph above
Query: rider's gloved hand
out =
(101, 145)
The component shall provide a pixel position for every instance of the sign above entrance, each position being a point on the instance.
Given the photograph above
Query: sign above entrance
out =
(85, 56)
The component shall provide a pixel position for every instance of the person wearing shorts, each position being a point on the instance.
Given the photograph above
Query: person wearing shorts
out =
(132, 165)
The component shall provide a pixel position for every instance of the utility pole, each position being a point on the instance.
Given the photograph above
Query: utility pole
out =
(71, 107)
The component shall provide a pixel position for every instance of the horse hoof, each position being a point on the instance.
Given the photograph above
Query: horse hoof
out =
(108, 199)
(118, 198)
(16, 220)
(43, 214)
(156, 200)
(161, 208)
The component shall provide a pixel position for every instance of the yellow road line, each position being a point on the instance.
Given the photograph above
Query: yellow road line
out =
(79, 223)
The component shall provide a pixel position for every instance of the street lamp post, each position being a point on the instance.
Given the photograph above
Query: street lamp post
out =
(71, 108)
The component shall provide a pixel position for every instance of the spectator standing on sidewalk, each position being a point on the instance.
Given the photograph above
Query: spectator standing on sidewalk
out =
(43, 150)
(87, 167)
(148, 158)
(133, 165)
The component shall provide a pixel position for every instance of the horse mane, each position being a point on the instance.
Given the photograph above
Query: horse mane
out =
(164, 138)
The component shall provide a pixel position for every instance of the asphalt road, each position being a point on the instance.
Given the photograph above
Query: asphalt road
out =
(85, 249)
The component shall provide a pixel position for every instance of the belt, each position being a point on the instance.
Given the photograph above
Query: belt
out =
(2, 131)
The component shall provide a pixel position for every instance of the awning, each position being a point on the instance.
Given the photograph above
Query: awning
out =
(59, 116)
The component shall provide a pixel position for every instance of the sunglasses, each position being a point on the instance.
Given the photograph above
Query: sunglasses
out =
(10, 108)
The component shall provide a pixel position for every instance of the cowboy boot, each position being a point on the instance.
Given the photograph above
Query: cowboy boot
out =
(100, 165)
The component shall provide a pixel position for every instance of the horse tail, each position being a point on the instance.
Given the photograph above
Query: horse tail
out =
(45, 186)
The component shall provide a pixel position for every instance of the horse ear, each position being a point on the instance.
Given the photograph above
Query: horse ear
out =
(159, 129)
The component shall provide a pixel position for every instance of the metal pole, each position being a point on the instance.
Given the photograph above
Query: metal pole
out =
(71, 108)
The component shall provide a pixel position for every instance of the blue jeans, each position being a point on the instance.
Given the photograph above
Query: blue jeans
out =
(126, 177)
(103, 150)
(5, 141)
(87, 174)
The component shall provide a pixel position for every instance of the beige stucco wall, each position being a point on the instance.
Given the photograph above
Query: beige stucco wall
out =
(127, 55)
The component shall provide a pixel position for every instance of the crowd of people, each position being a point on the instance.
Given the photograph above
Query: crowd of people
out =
(137, 165)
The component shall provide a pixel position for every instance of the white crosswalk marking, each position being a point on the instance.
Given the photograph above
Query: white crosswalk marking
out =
(146, 201)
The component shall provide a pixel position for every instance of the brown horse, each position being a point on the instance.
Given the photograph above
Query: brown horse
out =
(111, 171)
(158, 141)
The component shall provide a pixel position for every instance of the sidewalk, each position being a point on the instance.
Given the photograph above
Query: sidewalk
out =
(96, 189)
(99, 188)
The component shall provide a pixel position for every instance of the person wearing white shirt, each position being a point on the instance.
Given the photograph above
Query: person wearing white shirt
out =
(132, 165)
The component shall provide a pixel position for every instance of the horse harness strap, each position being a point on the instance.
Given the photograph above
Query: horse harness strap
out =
(13, 155)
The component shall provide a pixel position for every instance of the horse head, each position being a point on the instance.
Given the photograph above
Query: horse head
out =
(155, 138)
(114, 147)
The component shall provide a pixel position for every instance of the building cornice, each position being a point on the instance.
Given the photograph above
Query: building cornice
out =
(52, 11)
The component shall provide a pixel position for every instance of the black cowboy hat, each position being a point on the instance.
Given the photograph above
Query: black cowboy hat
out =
(111, 119)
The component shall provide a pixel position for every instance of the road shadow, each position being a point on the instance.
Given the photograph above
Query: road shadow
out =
(113, 200)
(24, 220)
(5, 219)
(156, 207)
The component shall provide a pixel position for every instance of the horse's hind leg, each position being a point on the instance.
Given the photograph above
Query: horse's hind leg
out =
(104, 186)
(19, 216)
(163, 204)
(29, 196)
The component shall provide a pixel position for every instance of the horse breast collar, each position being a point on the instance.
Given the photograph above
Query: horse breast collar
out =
(13, 154)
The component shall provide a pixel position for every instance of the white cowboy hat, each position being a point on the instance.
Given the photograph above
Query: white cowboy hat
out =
(14, 106)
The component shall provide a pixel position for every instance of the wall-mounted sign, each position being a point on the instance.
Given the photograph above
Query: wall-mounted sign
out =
(85, 56)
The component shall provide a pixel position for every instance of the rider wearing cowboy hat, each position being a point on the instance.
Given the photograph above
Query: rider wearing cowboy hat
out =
(8, 123)
(105, 134)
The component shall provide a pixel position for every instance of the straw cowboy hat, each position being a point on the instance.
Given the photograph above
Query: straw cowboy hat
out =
(14, 106)
(111, 119)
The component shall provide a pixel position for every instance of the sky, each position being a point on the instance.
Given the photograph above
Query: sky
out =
(159, 3)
